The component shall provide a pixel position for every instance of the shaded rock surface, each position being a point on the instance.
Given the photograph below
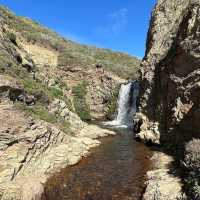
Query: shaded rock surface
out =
(170, 93)
(170, 70)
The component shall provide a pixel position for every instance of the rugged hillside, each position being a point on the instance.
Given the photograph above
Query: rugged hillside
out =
(70, 53)
(49, 88)
(63, 65)
(170, 85)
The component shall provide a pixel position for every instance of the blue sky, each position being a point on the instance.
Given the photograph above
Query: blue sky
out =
(116, 24)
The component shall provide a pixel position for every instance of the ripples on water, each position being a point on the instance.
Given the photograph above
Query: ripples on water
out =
(113, 171)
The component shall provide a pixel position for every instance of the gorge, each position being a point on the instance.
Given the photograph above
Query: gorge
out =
(50, 90)
(116, 169)
(54, 94)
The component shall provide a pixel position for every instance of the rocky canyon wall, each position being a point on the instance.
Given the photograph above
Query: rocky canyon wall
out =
(170, 95)
(170, 74)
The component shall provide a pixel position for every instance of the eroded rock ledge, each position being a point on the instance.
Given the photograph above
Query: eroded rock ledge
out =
(30, 150)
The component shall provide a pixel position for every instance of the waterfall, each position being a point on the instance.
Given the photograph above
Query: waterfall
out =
(127, 105)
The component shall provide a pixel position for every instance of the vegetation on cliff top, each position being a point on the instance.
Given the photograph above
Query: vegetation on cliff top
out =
(70, 52)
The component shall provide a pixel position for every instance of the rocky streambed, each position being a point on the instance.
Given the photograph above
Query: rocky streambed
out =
(114, 170)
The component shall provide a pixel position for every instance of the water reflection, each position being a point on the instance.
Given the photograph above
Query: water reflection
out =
(113, 171)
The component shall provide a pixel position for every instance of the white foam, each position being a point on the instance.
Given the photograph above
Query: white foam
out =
(128, 95)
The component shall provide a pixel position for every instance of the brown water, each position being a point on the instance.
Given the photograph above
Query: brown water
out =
(114, 171)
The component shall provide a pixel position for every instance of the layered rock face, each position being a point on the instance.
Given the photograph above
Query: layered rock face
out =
(170, 74)
(30, 150)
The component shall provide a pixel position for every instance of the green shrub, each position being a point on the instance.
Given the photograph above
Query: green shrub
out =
(69, 104)
(80, 90)
(36, 88)
(70, 58)
(82, 109)
(32, 86)
(62, 84)
(38, 111)
(80, 104)
(13, 38)
(55, 92)
(5, 60)
(31, 37)
(10, 63)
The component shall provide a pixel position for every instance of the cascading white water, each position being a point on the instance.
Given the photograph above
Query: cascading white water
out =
(127, 107)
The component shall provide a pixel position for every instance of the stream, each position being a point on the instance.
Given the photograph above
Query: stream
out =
(113, 171)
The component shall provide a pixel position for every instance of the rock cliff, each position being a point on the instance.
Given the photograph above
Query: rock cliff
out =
(170, 70)
(170, 80)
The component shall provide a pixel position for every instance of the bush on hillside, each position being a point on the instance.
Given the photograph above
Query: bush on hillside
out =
(38, 111)
(80, 104)
(13, 38)
(32, 86)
